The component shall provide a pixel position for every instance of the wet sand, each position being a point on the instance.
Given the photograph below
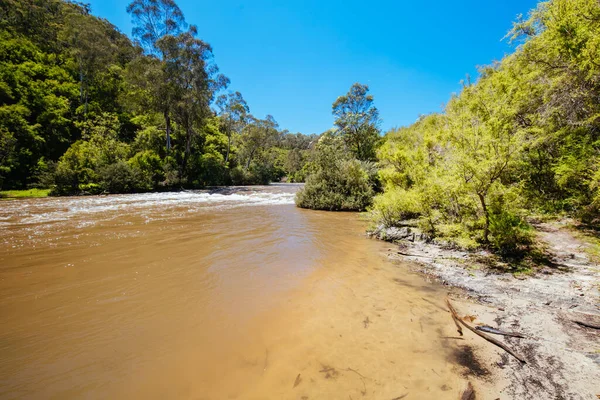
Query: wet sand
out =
(563, 358)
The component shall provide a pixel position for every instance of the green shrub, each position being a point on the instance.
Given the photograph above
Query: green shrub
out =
(262, 173)
(171, 173)
(147, 167)
(66, 181)
(118, 178)
(213, 170)
(237, 176)
(337, 181)
(258, 174)
(396, 205)
(300, 175)
(345, 188)
(509, 234)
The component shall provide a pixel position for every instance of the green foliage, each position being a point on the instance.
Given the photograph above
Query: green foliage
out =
(337, 181)
(357, 121)
(340, 174)
(213, 170)
(524, 137)
(87, 160)
(397, 205)
(148, 169)
(118, 177)
(79, 101)
(509, 233)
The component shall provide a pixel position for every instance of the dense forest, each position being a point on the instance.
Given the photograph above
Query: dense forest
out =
(84, 109)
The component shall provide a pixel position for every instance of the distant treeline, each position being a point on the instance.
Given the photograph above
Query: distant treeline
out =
(83, 109)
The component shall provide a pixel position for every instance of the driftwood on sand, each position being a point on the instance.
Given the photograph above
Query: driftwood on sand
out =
(489, 329)
(483, 335)
(455, 319)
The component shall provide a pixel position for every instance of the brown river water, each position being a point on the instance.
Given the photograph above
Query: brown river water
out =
(234, 294)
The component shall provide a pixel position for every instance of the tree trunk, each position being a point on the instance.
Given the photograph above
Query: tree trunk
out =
(249, 159)
(168, 129)
(486, 232)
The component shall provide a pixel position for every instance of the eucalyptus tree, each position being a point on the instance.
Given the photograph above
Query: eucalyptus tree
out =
(259, 135)
(234, 112)
(194, 80)
(86, 39)
(154, 20)
(357, 120)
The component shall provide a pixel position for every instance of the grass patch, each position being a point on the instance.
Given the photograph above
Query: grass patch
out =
(29, 193)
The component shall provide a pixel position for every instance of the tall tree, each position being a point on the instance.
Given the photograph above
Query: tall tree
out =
(153, 20)
(194, 80)
(259, 135)
(233, 111)
(357, 120)
(86, 38)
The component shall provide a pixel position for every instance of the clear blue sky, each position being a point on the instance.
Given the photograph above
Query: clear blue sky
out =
(291, 59)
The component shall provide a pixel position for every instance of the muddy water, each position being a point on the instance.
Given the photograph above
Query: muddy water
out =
(228, 295)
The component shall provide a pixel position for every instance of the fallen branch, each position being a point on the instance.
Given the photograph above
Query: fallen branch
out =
(483, 335)
(586, 324)
(412, 255)
(452, 337)
(495, 331)
(455, 319)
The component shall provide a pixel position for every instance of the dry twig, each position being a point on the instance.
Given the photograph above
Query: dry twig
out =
(483, 335)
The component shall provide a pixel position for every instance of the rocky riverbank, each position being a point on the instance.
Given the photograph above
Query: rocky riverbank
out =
(563, 356)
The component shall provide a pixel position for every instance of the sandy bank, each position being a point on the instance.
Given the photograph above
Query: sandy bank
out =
(563, 357)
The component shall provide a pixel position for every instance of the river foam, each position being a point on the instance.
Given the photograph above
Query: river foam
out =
(40, 215)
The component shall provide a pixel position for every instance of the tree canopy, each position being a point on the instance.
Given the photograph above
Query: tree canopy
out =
(84, 109)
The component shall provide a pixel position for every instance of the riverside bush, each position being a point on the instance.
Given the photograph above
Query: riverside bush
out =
(119, 178)
(396, 205)
(337, 181)
(509, 233)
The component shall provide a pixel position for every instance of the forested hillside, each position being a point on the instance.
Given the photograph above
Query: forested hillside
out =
(83, 109)
(521, 140)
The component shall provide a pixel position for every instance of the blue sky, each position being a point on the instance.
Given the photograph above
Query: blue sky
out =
(291, 59)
